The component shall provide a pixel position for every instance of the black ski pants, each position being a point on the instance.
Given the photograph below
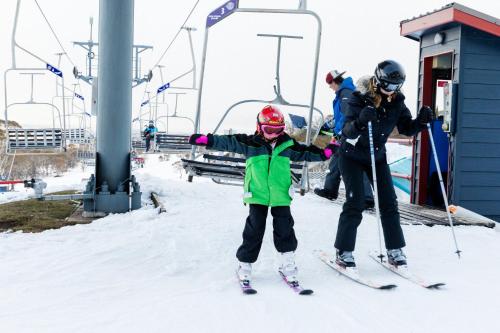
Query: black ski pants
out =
(255, 226)
(350, 218)
(332, 179)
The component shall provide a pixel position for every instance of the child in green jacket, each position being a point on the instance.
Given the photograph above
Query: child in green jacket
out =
(268, 183)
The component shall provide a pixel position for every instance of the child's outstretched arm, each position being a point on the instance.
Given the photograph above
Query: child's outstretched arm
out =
(299, 152)
(237, 143)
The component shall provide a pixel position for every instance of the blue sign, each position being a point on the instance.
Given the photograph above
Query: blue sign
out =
(79, 96)
(54, 70)
(144, 103)
(222, 12)
(163, 88)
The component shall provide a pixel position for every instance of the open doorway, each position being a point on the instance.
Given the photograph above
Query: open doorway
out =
(438, 76)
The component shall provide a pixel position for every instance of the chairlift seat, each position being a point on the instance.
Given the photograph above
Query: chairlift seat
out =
(172, 143)
(26, 139)
(234, 170)
(138, 144)
(85, 155)
(77, 136)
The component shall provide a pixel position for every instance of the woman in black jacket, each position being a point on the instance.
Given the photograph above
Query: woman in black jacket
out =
(378, 100)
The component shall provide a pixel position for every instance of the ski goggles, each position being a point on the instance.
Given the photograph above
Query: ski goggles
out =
(273, 129)
(390, 87)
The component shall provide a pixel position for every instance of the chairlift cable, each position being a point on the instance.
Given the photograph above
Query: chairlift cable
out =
(176, 35)
(54, 33)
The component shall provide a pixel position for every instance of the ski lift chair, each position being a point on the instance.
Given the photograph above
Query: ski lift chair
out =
(173, 143)
(228, 169)
(34, 141)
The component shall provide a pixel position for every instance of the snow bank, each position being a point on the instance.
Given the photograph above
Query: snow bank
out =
(175, 272)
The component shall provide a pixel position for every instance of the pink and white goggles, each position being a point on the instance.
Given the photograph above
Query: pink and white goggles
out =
(272, 130)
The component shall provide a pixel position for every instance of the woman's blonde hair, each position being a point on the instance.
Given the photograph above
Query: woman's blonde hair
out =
(372, 91)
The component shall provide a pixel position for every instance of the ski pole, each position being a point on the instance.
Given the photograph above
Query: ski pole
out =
(375, 190)
(445, 197)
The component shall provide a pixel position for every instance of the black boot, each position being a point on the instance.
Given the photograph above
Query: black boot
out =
(396, 257)
(326, 194)
(345, 259)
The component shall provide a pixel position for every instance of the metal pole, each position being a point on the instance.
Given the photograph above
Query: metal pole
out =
(59, 55)
(149, 104)
(192, 54)
(443, 191)
(13, 39)
(278, 61)
(375, 190)
(200, 90)
(64, 117)
(31, 96)
(12, 164)
(160, 67)
(136, 77)
(116, 26)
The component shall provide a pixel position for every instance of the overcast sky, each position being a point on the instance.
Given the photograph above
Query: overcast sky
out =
(240, 65)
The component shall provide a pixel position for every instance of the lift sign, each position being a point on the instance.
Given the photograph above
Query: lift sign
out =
(222, 12)
(163, 88)
(54, 70)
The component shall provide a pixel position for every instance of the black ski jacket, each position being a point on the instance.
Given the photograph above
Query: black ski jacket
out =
(355, 140)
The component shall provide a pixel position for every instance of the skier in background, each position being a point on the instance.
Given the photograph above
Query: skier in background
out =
(149, 134)
(378, 100)
(343, 88)
(267, 184)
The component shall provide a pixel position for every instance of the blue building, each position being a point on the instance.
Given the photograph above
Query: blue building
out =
(459, 75)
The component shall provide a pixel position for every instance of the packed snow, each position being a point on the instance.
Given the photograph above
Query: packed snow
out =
(175, 272)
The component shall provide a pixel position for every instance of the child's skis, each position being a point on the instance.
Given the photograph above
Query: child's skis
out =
(246, 286)
(295, 286)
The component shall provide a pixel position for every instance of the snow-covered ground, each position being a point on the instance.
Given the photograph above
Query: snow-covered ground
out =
(175, 272)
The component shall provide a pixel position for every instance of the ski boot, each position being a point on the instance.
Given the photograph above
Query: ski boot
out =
(323, 192)
(244, 271)
(396, 257)
(345, 259)
(287, 266)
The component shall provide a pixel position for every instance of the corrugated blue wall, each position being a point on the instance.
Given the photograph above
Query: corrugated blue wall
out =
(476, 183)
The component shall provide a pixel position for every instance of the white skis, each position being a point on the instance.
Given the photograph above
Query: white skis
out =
(404, 272)
(351, 273)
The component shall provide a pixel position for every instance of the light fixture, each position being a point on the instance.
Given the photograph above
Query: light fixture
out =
(439, 38)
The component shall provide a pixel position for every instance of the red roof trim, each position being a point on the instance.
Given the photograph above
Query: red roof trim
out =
(446, 16)
(477, 22)
(427, 22)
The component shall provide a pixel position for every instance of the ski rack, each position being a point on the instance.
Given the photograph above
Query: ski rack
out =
(229, 8)
(46, 141)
